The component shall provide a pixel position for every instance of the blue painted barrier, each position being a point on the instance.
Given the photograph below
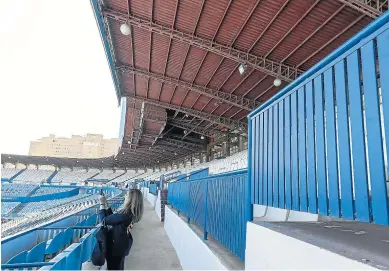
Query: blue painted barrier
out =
(153, 189)
(217, 204)
(320, 145)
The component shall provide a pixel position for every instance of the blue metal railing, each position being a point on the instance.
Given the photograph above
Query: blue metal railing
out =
(153, 189)
(319, 145)
(217, 204)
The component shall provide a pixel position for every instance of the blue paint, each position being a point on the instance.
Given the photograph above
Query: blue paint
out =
(374, 138)
(260, 165)
(265, 157)
(270, 160)
(311, 153)
(294, 153)
(321, 164)
(332, 161)
(251, 157)
(281, 165)
(225, 206)
(256, 162)
(17, 174)
(275, 157)
(383, 60)
(344, 142)
(288, 172)
(302, 149)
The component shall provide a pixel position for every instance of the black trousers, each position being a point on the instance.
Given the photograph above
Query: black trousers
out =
(115, 262)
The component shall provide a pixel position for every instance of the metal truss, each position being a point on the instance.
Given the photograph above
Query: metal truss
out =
(192, 128)
(182, 144)
(371, 8)
(226, 122)
(273, 68)
(238, 101)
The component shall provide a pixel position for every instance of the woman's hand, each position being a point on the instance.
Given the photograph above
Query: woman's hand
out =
(103, 202)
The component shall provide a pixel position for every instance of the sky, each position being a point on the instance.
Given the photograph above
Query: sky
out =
(54, 76)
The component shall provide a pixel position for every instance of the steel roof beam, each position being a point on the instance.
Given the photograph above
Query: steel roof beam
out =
(221, 96)
(192, 129)
(229, 123)
(373, 9)
(274, 68)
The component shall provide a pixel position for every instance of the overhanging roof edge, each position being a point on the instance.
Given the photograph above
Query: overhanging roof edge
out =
(99, 20)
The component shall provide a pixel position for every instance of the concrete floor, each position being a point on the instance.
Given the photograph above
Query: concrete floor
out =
(151, 248)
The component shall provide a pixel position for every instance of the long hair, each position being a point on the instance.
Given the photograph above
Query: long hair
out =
(133, 204)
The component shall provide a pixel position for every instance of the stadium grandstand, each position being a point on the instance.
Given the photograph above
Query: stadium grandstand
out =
(257, 131)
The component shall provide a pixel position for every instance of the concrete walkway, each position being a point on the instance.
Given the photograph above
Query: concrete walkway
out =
(151, 249)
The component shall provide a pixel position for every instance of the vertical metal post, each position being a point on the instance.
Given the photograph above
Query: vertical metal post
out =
(249, 206)
(205, 213)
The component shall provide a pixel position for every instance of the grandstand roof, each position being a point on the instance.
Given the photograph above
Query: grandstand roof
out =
(107, 162)
(182, 61)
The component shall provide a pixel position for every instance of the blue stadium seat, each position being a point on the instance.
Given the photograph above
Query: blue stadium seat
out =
(87, 245)
(59, 263)
(19, 258)
(37, 253)
(68, 238)
(73, 259)
(56, 244)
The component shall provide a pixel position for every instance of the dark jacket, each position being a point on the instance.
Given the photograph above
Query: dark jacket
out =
(119, 242)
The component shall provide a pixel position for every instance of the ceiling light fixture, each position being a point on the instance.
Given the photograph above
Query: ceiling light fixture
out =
(242, 68)
(125, 29)
(277, 82)
(202, 137)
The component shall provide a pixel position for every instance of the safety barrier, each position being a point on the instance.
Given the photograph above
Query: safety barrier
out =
(319, 145)
(153, 189)
(217, 204)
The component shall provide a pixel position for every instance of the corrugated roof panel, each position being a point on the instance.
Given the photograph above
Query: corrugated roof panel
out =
(164, 11)
(141, 47)
(210, 18)
(257, 23)
(141, 8)
(154, 88)
(291, 12)
(187, 15)
(160, 47)
(209, 66)
(318, 15)
(166, 94)
(234, 19)
(141, 86)
(226, 68)
(193, 61)
(176, 58)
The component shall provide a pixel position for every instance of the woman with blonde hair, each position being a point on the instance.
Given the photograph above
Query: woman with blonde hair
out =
(119, 238)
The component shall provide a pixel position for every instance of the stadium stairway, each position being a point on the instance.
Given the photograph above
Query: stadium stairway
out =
(17, 174)
(118, 176)
(18, 208)
(52, 176)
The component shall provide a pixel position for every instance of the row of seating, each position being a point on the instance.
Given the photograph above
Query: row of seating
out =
(74, 176)
(40, 206)
(107, 174)
(10, 190)
(47, 190)
(33, 220)
(230, 163)
(127, 176)
(48, 248)
(8, 173)
(7, 207)
(34, 176)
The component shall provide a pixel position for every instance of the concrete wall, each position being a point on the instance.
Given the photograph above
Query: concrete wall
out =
(151, 198)
(158, 205)
(268, 249)
(191, 250)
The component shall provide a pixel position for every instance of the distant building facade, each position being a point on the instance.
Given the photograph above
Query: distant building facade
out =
(90, 146)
